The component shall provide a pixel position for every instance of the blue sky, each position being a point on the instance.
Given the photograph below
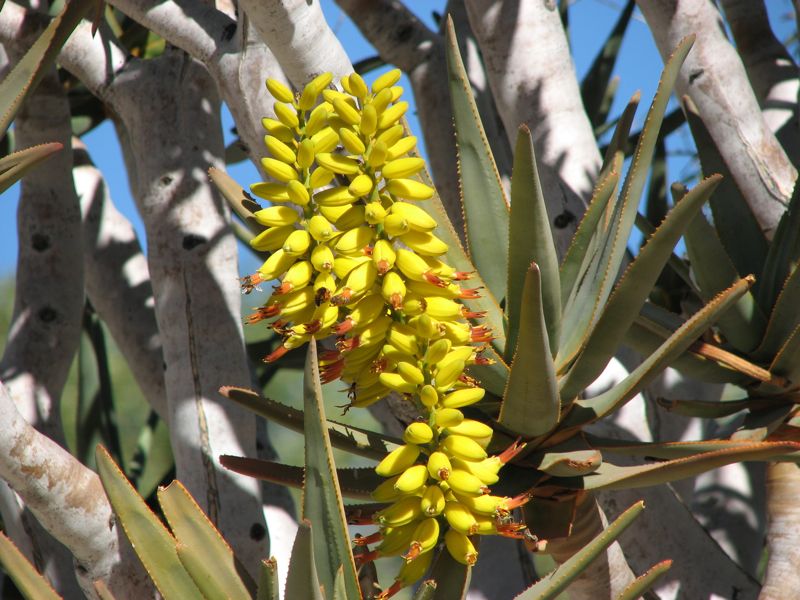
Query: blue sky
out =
(590, 21)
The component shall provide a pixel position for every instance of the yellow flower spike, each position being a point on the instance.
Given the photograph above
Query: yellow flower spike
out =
(355, 240)
(361, 186)
(279, 170)
(279, 91)
(391, 136)
(416, 217)
(462, 447)
(410, 264)
(402, 167)
(428, 396)
(432, 502)
(335, 196)
(439, 466)
(386, 80)
(485, 504)
(403, 146)
(298, 243)
(448, 373)
(351, 218)
(370, 334)
(277, 129)
(325, 140)
(279, 150)
(359, 281)
(423, 288)
(276, 216)
(369, 120)
(448, 417)
(330, 95)
(271, 239)
(425, 326)
(342, 265)
(464, 397)
(413, 305)
(437, 351)
(338, 163)
(313, 89)
(412, 479)
(381, 100)
(395, 225)
(397, 383)
(383, 255)
(286, 114)
(460, 547)
(347, 112)
(424, 243)
(458, 333)
(375, 213)
(393, 289)
(357, 86)
(397, 91)
(317, 119)
(295, 301)
(277, 264)
(386, 492)
(368, 309)
(394, 355)
(397, 539)
(322, 258)
(377, 155)
(459, 517)
(391, 115)
(409, 189)
(398, 460)
(485, 470)
(305, 154)
(274, 192)
(404, 339)
(351, 142)
(471, 428)
(320, 228)
(402, 512)
(418, 432)
(320, 177)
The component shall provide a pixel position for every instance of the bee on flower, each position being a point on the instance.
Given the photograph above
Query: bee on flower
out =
(356, 257)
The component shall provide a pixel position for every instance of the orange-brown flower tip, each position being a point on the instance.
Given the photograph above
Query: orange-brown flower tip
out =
(312, 327)
(347, 344)
(264, 312)
(276, 354)
(342, 297)
(331, 355)
(463, 275)
(413, 552)
(283, 288)
(511, 451)
(473, 314)
(367, 250)
(482, 360)
(383, 266)
(250, 282)
(343, 327)
(364, 540)
(365, 557)
(469, 293)
(517, 501)
(396, 300)
(331, 372)
(390, 591)
(433, 278)
(481, 333)
(516, 531)
(379, 366)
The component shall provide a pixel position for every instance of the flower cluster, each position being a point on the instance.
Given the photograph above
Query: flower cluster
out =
(357, 259)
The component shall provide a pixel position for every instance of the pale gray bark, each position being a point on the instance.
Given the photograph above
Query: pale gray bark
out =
(713, 76)
(770, 68)
(118, 283)
(782, 579)
(530, 71)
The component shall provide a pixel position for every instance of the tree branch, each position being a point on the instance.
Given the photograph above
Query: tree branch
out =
(532, 77)
(782, 579)
(715, 79)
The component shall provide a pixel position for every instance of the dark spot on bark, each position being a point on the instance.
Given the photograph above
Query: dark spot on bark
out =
(564, 219)
(403, 33)
(166, 180)
(40, 242)
(228, 32)
(694, 75)
(81, 569)
(48, 314)
(259, 446)
(192, 241)
(258, 532)
(164, 365)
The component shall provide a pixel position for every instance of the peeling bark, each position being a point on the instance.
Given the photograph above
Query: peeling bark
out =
(782, 579)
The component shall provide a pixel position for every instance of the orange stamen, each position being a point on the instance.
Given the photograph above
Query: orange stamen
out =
(276, 354)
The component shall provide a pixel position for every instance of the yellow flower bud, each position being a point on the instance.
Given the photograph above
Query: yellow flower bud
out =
(464, 397)
(276, 216)
(346, 111)
(395, 225)
(460, 547)
(403, 146)
(459, 517)
(413, 374)
(325, 140)
(322, 257)
(305, 154)
(439, 466)
(297, 243)
(437, 351)
(432, 502)
(386, 80)
(393, 289)
(381, 100)
(351, 142)
(377, 155)
(313, 88)
(279, 150)
(288, 115)
(409, 189)
(425, 538)
(317, 119)
(396, 382)
(416, 217)
(397, 91)
(383, 255)
(279, 91)
(391, 136)
(361, 185)
(404, 339)
(374, 213)
(355, 240)
(369, 120)
(320, 177)
(278, 129)
(463, 447)
(471, 428)
(274, 192)
(417, 433)
(398, 460)
(400, 513)
(423, 243)
(351, 218)
(402, 167)
(386, 492)
(276, 265)
(392, 114)
(271, 239)
(428, 396)
(320, 228)
(356, 86)
(335, 196)
(412, 479)
(279, 170)
(338, 163)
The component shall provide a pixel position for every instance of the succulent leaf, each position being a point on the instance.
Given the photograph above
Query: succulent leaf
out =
(28, 580)
(302, 580)
(268, 588)
(530, 240)
(239, 200)
(14, 166)
(531, 405)
(485, 205)
(784, 317)
(452, 578)
(645, 581)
